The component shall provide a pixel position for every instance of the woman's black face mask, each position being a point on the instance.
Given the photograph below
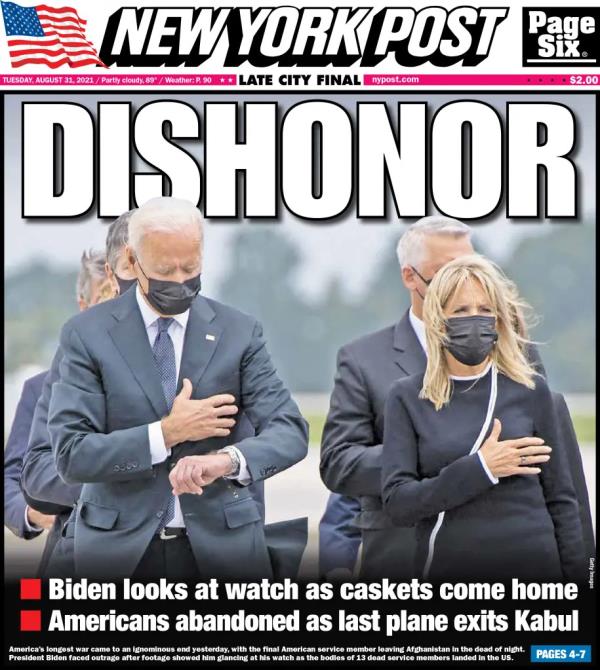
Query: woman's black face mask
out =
(471, 338)
(171, 297)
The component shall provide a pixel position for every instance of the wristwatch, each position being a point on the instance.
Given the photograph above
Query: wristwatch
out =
(235, 460)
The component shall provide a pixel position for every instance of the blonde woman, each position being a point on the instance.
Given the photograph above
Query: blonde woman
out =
(487, 502)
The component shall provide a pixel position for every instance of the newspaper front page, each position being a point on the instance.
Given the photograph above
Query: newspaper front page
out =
(299, 333)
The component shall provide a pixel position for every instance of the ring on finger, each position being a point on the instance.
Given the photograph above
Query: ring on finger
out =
(523, 459)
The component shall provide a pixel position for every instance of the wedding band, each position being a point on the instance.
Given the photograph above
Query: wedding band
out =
(523, 459)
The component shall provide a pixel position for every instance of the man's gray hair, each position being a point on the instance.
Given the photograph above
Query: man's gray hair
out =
(116, 238)
(162, 214)
(91, 268)
(410, 247)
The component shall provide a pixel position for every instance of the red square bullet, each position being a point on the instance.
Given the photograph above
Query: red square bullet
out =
(31, 620)
(31, 589)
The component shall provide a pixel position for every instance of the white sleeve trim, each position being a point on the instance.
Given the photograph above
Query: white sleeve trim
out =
(29, 527)
(488, 472)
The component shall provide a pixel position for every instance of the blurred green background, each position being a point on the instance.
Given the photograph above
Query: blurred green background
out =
(555, 272)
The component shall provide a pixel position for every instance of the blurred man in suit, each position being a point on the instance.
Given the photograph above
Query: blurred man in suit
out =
(19, 517)
(352, 438)
(117, 265)
(144, 416)
(25, 518)
(339, 538)
(40, 483)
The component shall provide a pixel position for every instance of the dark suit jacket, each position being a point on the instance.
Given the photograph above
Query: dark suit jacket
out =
(351, 447)
(339, 538)
(14, 501)
(569, 440)
(43, 489)
(46, 491)
(352, 441)
(109, 391)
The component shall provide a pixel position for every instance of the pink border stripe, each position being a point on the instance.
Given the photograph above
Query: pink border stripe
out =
(118, 79)
(481, 79)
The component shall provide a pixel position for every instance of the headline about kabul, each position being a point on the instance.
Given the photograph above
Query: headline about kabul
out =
(288, 591)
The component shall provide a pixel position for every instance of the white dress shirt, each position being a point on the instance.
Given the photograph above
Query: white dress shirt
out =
(158, 450)
(419, 327)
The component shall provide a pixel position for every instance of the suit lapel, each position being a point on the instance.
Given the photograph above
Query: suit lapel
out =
(131, 339)
(408, 352)
(202, 336)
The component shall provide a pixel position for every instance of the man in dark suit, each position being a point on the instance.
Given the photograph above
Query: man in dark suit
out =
(41, 486)
(366, 368)
(23, 515)
(569, 440)
(144, 416)
(24, 521)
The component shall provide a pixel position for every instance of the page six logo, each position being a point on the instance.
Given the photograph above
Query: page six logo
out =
(560, 36)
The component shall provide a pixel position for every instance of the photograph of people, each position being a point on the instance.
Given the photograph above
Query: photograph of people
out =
(351, 445)
(39, 480)
(146, 415)
(472, 454)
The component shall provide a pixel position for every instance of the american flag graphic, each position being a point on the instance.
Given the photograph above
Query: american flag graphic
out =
(51, 36)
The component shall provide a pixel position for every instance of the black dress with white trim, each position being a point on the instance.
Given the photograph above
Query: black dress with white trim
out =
(524, 526)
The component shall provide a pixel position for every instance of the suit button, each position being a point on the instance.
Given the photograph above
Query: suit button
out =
(116, 468)
(159, 514)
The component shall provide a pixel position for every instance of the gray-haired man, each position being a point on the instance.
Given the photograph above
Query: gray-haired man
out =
(366, 368)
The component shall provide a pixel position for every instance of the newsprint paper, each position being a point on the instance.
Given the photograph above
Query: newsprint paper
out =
(299, 333)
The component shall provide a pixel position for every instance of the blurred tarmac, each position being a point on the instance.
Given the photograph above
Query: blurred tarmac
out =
(296, 492)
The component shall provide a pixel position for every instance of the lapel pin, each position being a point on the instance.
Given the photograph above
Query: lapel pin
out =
(210, 337)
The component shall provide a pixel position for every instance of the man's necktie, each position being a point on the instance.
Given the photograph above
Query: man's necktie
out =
(164, 356)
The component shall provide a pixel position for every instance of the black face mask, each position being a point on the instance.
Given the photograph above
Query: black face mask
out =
(124, 284)
(171, 297)
(471, 338)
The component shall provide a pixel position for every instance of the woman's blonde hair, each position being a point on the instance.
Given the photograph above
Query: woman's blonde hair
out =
(509, 352)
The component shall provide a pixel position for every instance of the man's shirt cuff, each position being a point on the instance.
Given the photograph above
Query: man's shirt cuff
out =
(243, 477)
(158, 450)
(31, 528)
(488, 472)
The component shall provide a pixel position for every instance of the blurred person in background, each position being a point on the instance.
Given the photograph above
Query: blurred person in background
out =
(466, 449)
(339, 537)
(93, 285)
(40, 483)
(117, 266)
(23, 519)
